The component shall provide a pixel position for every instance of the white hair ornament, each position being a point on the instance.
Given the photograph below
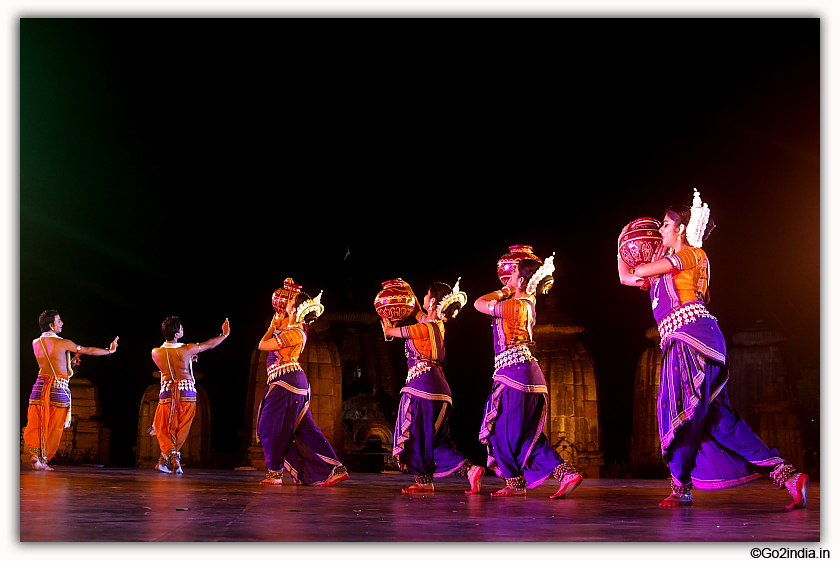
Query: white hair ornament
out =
(545, 270)
(311, 305)
(699, 219)
(455, 296)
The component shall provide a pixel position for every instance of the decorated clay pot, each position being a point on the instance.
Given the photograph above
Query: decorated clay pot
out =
(280, 298)
(395, 301)
(639, 241)
(506, 263)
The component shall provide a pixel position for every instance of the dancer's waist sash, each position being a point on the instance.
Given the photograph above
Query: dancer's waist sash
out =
(425, 380)
(693, 324)
(183, 390)
(289, 375)
(517, 368)
(56, 388)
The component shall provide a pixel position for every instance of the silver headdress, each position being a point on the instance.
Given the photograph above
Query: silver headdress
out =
(545, 270)
(455, 296)
(308, 306)
(697, 224)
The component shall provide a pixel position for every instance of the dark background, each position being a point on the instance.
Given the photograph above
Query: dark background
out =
(186, 167)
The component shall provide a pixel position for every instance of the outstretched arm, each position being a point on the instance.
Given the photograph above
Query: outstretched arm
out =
(92, 351)
(215, 341)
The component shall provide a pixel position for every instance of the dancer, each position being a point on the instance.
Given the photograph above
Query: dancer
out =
(421, 438)
(515, 412)
(49, 403)
(176, 408)
(285, 427)
(704, 441)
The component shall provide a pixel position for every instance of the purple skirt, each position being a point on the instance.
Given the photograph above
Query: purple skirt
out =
(703, 439)
(512, 429)
(291, 439)
(421, 439)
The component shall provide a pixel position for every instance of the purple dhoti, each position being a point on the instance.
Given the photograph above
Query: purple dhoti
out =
(422, 442)
(704, 440)
(421, 437)
(512, 428)
(289, 435)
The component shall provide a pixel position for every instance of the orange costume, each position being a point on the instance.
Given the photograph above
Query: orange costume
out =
(175, 412)
(49, 407)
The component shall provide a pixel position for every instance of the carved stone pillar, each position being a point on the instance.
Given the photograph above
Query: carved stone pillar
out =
(573, 426)
(758, 390)
(645, 447)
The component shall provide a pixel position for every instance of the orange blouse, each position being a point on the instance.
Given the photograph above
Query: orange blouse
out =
(691, 274)
(291, 343)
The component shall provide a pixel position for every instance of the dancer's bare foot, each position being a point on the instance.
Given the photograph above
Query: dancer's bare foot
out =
(508, 491)
(420, 488)
(176, 466)
(474, 475)
(37, 464)
(675, 500)
(568, 484)
(335, 477)
(798, 488)
(162, 468)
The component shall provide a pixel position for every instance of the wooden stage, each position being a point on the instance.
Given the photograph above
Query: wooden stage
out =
(90, 504)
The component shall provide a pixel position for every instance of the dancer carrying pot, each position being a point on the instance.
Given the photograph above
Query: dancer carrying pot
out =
(515, 412)
(421, 438)
(285, 427)
(704, 441)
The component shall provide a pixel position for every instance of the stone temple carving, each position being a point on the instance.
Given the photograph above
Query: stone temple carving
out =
(573, 425)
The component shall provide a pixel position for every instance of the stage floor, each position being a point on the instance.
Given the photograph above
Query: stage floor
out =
(87, 504)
